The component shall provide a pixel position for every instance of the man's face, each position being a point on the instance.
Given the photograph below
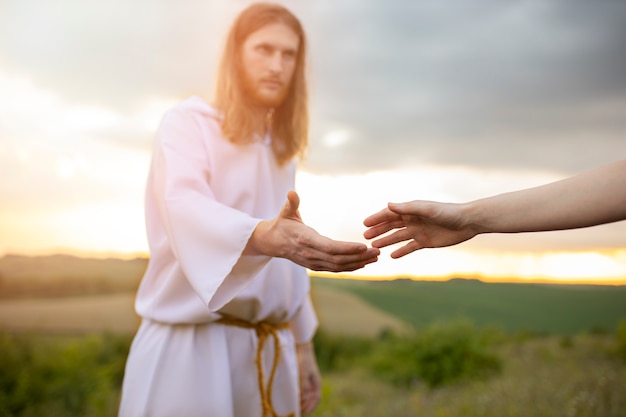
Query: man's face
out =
(269, 58)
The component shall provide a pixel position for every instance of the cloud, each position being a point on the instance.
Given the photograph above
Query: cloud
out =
(470, 82)
(482, 95)
(51, 154)
(482, 83)
(114, 53)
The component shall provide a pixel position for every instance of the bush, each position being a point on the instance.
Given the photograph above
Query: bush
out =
(440, 354)
(620, 349)
(337, 352)
(61, 376)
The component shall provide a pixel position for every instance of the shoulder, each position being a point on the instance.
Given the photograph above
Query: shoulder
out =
(193, 108)
(191, 117)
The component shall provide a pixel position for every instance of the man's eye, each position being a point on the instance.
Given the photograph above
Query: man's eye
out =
(289, 55)
(264, 49)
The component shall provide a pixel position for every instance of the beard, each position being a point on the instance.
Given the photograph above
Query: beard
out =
(254, 92)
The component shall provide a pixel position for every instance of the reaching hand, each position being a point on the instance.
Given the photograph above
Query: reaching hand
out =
(425, 224)
(287, 236)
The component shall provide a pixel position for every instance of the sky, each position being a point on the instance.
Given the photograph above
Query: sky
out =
(444, 100)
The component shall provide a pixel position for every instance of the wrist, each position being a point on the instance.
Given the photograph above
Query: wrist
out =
(257, 243)
(473, 217)
(305, 347)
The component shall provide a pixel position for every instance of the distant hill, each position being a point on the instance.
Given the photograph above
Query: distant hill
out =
(515, 307)
(345, 305)
(65, 275)
(63, 293)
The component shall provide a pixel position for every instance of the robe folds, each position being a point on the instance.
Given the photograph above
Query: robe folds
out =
(204, 198)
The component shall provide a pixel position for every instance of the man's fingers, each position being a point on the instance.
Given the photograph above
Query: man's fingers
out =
(341, 263)
(321, 261)
(309, 402)
(310, 395)
(320, 253)
(335, 247)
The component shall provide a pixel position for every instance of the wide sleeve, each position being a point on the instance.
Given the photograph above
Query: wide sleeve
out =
(206, 237)
(304, 323)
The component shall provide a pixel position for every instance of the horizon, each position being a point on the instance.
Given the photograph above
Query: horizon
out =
(355, 275)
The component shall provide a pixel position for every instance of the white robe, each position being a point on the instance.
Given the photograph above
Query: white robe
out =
(204, 198)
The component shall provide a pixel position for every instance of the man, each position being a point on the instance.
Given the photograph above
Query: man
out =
(227, 320)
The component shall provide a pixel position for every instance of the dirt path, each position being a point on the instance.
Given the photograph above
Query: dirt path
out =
(74, 314)
(338, 311)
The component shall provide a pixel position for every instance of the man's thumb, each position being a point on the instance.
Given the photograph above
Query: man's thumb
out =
(290, 209)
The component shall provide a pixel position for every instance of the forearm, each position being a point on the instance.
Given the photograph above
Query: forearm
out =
(590, 198)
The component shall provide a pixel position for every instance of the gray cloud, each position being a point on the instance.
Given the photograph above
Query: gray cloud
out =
(480, 83)
(522, 84)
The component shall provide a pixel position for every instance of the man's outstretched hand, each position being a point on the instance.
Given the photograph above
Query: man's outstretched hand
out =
(288, 237)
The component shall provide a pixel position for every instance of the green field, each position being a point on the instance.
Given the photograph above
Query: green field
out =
(540, 308)
(513, 307)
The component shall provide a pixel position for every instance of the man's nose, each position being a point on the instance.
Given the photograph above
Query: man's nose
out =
(276, 62)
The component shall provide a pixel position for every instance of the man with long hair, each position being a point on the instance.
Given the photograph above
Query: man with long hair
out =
(227, 320)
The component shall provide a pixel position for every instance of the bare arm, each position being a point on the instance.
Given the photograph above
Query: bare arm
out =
(593, 197)
(287, 236)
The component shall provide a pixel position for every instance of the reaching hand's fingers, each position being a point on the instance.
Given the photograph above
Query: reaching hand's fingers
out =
(382, 228)
(414, 208)
(383, 216)
(410, 247)
(377, 230)
(396, 237)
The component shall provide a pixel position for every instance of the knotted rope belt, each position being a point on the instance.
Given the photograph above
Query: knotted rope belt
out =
(263, 331)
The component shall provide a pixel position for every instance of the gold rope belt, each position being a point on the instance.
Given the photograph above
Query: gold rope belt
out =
(263, 330)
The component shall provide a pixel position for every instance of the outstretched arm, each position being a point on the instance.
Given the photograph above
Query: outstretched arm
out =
(287, 236)
(593, 197)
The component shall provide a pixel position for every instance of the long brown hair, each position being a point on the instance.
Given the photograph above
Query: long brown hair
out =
(290, 121)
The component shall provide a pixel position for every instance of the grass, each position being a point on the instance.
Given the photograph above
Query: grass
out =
(562, 309)
(569, 376)
(567, 372)
(542, 377)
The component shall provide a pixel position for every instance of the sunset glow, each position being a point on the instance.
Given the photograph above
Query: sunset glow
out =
(79, 111)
